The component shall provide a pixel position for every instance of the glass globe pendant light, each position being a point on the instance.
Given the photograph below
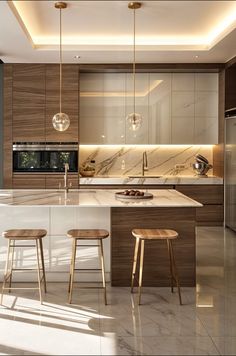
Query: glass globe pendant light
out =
(134, 119)
(60, 121)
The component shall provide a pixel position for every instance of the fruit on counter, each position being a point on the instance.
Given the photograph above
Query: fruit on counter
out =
(132, 192)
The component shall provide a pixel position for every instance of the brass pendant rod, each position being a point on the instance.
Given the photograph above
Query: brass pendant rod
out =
(60, 61)
(134, 59)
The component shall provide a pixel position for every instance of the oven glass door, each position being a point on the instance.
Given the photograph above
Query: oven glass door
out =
(44, 161)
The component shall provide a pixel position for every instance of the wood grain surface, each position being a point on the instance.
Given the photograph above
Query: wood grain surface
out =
(156, 262)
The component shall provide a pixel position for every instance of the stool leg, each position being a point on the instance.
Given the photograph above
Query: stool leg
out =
(171, 268)
(134, 263)
(175, 272)
(141, 271)
(38, 270)
(12, 262)
(6, 270)
(43, 265)
(103, 271)
(72, 272)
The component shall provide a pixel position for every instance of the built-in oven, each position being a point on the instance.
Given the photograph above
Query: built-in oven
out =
(45, 157)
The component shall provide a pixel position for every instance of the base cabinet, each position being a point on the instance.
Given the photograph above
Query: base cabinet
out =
(42, 181)
(212, 198)
(24, 181)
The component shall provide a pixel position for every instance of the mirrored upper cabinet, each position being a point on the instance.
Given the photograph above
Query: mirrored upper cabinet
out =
(176, 108)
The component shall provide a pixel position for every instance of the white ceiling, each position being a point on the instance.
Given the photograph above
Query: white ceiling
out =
(102, 31)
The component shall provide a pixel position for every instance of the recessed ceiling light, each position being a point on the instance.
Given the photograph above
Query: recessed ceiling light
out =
(76, 57)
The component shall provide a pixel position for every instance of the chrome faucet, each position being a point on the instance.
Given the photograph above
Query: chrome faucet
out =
(144, 163)
(66, 185)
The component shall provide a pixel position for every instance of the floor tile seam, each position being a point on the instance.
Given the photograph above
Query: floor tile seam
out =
(212, 339)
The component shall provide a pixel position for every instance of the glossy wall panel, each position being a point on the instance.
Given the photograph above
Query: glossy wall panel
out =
(176, 108)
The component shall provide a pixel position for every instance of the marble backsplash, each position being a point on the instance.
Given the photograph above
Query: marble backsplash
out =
(127, 160)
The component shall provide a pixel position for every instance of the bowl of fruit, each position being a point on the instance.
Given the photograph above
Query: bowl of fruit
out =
(133, 194)
(87, 171)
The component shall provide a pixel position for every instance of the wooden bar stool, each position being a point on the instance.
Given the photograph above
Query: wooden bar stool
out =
(24, 235)
(83, 235)
(142, 235)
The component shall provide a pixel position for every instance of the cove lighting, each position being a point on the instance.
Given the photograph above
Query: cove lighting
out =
(144, 146)
(189, 42)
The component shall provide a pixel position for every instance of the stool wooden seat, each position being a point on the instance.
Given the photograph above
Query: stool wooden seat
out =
(155, 234)
(83, 235)
(142, 235)
(24, 235)
(21, 234)
(88, 234)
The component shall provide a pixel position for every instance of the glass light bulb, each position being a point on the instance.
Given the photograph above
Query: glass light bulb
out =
(134, 121)
(61, 121)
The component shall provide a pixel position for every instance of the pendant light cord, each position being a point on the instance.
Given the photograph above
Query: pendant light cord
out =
(60, 61)
(134, 59)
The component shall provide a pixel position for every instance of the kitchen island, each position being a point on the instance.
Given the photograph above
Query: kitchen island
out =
(58, 211)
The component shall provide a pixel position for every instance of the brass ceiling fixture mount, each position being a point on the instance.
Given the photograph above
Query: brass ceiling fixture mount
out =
(134, 119)
(60, 121)
(134, 5)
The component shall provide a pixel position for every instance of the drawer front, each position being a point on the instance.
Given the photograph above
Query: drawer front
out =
(205, 194)
(29, 182)
(210, 215)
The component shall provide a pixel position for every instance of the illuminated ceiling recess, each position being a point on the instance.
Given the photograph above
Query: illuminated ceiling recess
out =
(134, 119)
(60, 121)
(207, 23)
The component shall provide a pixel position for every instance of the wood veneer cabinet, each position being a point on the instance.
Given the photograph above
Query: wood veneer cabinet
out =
(70, 101)
(230, 87)
(212, 198)
(28, 181)
(28, 101)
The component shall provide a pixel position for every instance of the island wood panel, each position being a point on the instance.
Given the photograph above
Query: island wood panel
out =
(212, 198)
(210, 215)
(28, 102)
(156, 263)
(7, 126)
(24, 181)
(56, 181)
(205, 194)
(70, 101)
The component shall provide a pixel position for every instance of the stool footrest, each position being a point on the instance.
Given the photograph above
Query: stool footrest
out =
(87, 269)
(20, 288)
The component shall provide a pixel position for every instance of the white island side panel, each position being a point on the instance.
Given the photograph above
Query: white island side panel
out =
(57, 246)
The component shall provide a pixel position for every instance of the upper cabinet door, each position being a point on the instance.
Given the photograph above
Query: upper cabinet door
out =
(159, 128)
(70, 101)
(28, 102)
(102, 108)
(142, 85)
(206, 108)
(182, 108)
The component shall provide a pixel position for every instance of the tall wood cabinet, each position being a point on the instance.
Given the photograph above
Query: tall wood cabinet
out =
(28, 98)
(35, 96)
(31, 98)
(70, 101)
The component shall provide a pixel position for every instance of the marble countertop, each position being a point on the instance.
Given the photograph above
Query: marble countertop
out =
(172, 180)
(91, 198)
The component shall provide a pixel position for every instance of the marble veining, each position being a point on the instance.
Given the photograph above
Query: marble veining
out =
(125, 160)
(172, 180)
(92, 198)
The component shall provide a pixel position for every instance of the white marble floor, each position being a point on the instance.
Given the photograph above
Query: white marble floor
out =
(204, 325)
